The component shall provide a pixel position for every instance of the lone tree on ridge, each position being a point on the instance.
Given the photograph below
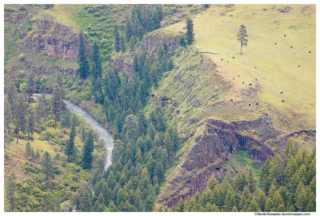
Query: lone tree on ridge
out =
(242, 34)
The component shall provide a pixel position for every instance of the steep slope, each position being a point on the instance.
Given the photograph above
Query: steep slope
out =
(215, 113)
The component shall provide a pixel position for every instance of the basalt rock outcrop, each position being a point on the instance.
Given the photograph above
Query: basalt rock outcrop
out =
(210, 151)
(55, 39)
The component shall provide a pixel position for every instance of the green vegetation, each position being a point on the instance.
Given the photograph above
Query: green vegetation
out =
(293, 190)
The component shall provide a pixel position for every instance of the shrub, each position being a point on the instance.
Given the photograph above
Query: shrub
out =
(22, 7)
(8, 9)
(56, 170)
(50, 123)
(39, 177)
(28, 167)
(6, 156)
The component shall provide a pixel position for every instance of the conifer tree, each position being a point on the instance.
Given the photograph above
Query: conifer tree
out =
(7, 116)
(230, 201)
(87, 152)
(28, 149)
(83, 134)
(85, 202)
(142, 123)
(20, 117)
(117, 151)
(128, 29)
(253, 207)
(56, 103)
(130, 127)
(301, 198)
(131, 43)
(122, 43)
(38, 113)
(31, 121)
(189, 33)
(170, 65)
(70, 146)
(116, 39)
(212, 182)
(11, 91)
(180, 206)
(242, 37)
(30, 86)
(167, 142)
(10, 189)
(268, 205)
(251, 180)
(96, 60)
(82, 58)
(311, 207)
(46, 164)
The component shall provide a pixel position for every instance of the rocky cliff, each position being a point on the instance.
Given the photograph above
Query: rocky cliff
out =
(56, 40)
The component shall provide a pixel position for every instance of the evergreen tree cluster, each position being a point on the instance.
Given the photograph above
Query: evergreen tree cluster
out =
(287, 184)
(143, 19)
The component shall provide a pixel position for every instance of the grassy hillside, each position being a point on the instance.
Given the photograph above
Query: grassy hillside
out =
(274, 66)
(218, 84)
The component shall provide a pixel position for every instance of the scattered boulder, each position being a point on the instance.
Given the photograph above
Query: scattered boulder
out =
(298, 65)
(256, 79)
(249, 104)
(221, 59)
(238, 75)
(285, 35)
(257, 103)
(282, 101)
(233, 78)
(231, 99)
(291, 47)
(275, 43)
(242, 82)
(233, 57)
(250, 84)
(281, 92)
(309, 51)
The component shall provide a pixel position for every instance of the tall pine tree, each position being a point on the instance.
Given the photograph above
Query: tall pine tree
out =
(82, 58)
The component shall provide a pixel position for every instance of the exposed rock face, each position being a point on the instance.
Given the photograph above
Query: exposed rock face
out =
(207, 156)
(55, 39)
(149, 44)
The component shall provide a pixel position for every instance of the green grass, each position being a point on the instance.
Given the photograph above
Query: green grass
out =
(276, 65)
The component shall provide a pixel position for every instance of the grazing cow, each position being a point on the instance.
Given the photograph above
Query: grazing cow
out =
(282, 101)
(275, 43)
(266, 114)
(255, 67)
(250, 84)
(309, 51)
(231, 100)
(281, 92)
(238, 75)
(228, 61)
(285, 35)
(221, 59)
(233, 57)
(233, 78)
(249, 104)
(242, 82)
(256, 79)
(257, 103)
(298, 65)
(291, 47)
